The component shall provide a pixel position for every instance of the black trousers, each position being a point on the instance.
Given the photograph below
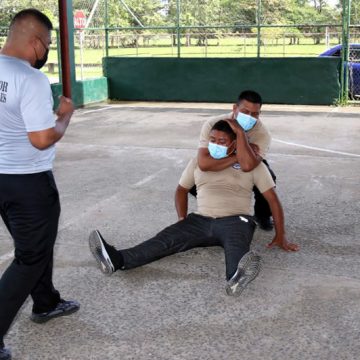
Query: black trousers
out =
(261, 206)
(30, 208)
(233, 233)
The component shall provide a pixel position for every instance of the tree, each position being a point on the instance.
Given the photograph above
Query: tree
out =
(355, 12)
(8, 8)
(196, 13)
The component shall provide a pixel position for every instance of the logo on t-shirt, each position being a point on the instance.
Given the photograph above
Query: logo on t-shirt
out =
(3, 91)
(236, 166)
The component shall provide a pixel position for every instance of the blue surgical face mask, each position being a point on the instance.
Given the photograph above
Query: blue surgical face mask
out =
(217, 151)
(247, 122)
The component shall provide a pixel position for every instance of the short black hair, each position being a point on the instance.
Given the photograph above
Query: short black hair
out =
(251, 96)
(38, 15)
(224, 126)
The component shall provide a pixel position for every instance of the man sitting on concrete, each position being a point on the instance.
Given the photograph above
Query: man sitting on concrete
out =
(222, 218)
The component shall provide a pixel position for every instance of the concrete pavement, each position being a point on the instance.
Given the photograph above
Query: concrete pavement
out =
(117, 169)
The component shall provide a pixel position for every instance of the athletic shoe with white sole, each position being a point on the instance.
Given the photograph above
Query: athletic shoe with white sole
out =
(248, 269)
(98, 248)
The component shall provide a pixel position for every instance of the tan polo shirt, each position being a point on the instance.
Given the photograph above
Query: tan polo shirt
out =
(258, 135)
(227, 192)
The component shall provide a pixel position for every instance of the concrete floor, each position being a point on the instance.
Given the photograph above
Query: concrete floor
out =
(117, 169)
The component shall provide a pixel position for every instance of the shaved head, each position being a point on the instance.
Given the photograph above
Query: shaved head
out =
(29, 36)
(29, 22)
(31, 14)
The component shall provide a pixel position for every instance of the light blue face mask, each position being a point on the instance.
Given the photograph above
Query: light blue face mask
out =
(247, 122)
(217, 151)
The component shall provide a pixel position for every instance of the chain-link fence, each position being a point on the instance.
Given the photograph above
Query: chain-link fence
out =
(354, 66)
(207, 42)
(354, 51)
(89, 37)
(201, 28)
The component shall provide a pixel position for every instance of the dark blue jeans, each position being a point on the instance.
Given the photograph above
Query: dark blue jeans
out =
(30, 208)
(233, 233)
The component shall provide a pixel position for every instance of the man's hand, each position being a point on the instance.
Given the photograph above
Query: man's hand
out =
(246, 157)
(282, 243)
(236, 128)
(234, 125)
(44, 138)
(66, 106)
(278, 215)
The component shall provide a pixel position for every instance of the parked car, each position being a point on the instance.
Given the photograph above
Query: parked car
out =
(354, 66)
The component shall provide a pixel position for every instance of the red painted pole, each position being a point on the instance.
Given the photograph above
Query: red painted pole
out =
(65, 53)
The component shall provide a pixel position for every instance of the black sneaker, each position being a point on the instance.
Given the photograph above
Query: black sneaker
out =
(99, 248)
(63, 308)
(248, 269)
(5, 353)
(265, 224)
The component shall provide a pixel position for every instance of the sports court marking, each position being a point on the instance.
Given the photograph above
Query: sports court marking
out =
(101, 109)
(10, 254)
(149, 178)
(316, 148)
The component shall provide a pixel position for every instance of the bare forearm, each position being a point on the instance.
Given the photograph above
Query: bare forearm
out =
(208, 163)
(245, 155)
(181, 202)
(46, 138)
(64, 113)
(62, 123)
(278, 217)
(58, 132)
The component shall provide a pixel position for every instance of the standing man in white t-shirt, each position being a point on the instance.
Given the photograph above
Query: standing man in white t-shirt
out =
(29, 200)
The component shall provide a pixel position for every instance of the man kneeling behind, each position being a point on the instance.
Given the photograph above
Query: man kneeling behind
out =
(222, 218)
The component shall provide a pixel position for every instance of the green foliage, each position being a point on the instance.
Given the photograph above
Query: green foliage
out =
(193, 12)
(8, 8)
(355, 12)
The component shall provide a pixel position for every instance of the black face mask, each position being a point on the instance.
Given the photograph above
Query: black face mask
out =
(39, 63)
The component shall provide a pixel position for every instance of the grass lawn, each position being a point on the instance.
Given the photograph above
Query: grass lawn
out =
(162, 47)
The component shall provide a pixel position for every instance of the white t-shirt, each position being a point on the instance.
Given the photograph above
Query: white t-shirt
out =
(26, 105)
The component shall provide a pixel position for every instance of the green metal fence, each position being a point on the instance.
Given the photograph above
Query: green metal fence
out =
(255, 32)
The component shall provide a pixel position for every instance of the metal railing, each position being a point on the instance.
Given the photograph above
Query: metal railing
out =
(92, 44)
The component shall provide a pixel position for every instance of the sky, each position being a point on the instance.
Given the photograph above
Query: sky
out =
(332, 2)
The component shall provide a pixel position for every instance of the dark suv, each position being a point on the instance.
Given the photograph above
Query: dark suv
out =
(354, 66)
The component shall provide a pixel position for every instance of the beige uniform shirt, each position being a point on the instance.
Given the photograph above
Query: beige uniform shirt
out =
(227, 192)
(258, 135)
